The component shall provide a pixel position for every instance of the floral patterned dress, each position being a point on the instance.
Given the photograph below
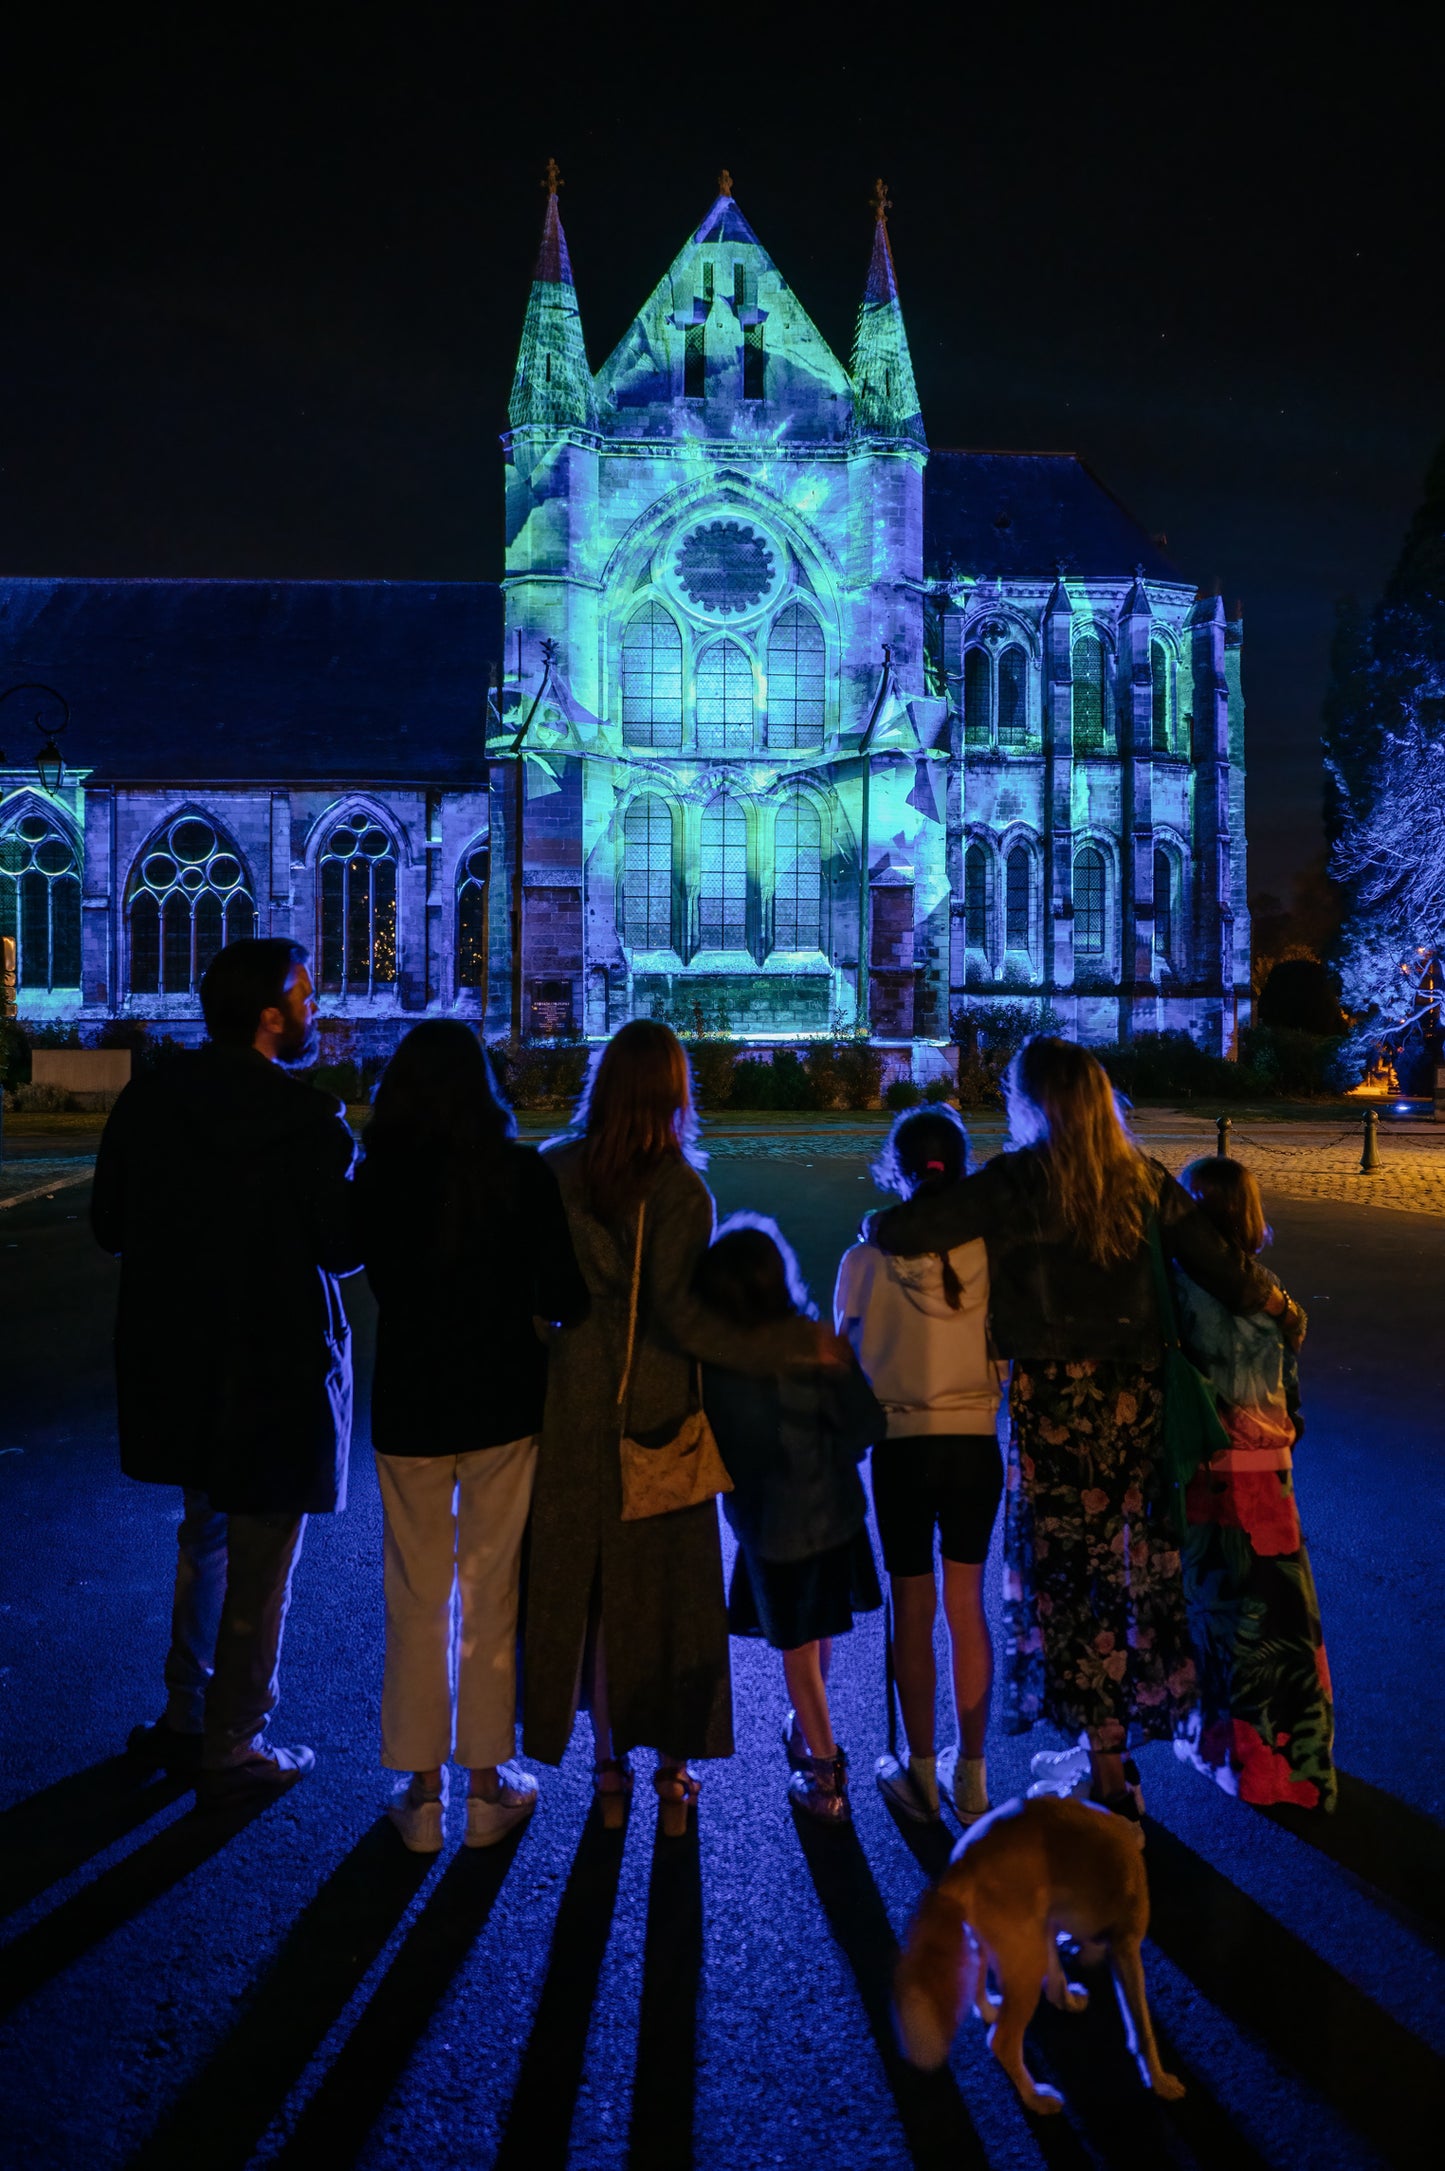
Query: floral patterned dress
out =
(1095, 1633)
(1265, 1724)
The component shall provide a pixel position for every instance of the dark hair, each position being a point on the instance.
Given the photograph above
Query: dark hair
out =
(635, 1113)
(1229, 1195)
(243, 980)
(927, 1150)
(750, 1274)
(439, 1093)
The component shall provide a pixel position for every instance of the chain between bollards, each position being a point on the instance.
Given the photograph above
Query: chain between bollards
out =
(1370, 1158)
(1222, 1127)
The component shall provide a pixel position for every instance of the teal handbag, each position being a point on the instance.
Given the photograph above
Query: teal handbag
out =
(1192, 1428)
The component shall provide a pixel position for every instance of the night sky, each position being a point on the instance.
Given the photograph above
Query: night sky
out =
(265, 275)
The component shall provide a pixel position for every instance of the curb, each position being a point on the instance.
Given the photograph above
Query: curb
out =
(45, 1190)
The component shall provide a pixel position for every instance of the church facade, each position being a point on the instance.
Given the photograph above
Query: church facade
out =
(783, 723)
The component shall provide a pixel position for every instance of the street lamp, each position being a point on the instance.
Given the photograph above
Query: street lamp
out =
(49, 762)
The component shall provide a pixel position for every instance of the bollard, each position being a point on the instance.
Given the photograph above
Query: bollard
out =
(1370, 1158)
(1221, 1125)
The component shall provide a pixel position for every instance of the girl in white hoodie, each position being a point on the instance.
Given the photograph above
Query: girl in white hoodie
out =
(919, 1327)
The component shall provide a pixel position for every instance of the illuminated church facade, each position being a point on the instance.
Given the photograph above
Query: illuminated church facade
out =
(782, 723)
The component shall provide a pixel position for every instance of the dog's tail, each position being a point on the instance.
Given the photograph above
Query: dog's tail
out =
(935, 1976)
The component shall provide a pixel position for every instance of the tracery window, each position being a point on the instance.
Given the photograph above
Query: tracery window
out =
(725, 700)
(1018, 875)
(1090, 902)
(652, 679)
(647, 875)
(795, 680)
(723, 876)
(1164, 906)
(1159, 688)
(1088, 675)
(977, 899)
(1013, 710)
(977, 697)
(189, 897)
(472, 918)
(40, 902)
(358, 908)
(798, 877)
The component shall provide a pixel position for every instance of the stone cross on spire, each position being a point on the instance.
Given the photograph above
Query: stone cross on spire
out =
(724, 183)
(881, 201)
(552, 177)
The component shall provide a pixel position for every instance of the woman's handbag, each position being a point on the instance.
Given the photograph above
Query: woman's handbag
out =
(1192, 1428)
(680, 1472)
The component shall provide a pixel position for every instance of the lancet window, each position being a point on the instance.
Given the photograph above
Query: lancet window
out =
(1159, 689)
(723, 876)
(977, 899)
(1018, 881)
(472, 918)
(1164, 906)
(725, 705)
(796, 663)
(1090, 902)
(798, 877)
(40, 902)
(1089, 704)
(188, 898)
(652, 679)
(647, 874)
(358, 908)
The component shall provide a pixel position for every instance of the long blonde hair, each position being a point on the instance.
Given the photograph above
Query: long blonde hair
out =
(636, 1113)
(1061, 1102)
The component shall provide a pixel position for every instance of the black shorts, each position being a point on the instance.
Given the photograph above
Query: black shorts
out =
(949, 1482)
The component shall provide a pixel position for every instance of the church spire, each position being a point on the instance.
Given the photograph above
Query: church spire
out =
(553, 385)
(885, 398)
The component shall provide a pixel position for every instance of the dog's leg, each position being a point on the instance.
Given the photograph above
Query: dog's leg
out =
(1067, 1996)
(1134, 2005)
(984, 2005)
(929, 1984)
(1021, 1959)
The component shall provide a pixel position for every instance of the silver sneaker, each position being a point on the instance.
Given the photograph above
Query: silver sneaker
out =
(897, 1786)
(487, 1822)
(418, 1818)
(1067, 1772)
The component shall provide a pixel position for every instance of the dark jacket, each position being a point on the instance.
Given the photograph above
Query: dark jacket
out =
(1047, 1299)
(792, 1444)
(222, 1182)
(462, 1258)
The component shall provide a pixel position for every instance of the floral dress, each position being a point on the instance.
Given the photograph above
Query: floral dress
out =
(1095, 1633)
(1265, 1724)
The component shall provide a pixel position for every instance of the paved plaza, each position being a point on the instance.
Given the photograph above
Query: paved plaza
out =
(186, 1992)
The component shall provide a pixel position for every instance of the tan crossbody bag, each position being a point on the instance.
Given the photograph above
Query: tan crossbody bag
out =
(678, 1473)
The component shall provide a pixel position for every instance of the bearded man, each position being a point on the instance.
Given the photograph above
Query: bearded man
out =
(223, 1184)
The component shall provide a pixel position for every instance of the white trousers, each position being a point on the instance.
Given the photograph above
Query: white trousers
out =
(454, 1527)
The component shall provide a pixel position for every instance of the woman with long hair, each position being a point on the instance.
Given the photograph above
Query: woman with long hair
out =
(1095, 1633)
(466, 1247)
(630, 1615)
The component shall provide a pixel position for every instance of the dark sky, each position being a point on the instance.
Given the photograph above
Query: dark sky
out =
(265, 274)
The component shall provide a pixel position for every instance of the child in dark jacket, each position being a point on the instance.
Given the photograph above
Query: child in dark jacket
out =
(792, 1445)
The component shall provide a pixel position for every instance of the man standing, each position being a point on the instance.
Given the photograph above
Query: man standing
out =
(223, 1184)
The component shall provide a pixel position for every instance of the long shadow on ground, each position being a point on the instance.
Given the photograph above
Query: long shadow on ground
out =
(665, 2081)
(1393, 1851)
(51, 1835)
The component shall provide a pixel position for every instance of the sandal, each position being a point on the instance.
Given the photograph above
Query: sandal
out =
(677, 1791)
(820, 1789)
(612, 1802)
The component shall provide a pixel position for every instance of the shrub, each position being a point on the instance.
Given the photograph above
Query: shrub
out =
(1282, 1059)
(42, 1100)
(343, 1079)
(714, 1066)
(1173, 1066)
(937, 1089)
(781, 1084)
(902, 1093)
(14, 1054)
(540, 1074)
(989, 1036)
(861, 1069)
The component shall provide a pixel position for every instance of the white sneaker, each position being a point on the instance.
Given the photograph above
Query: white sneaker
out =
(1060, 1771)
(487, 1822)
(973, 1803)
(897, 1785)
(418, 1818)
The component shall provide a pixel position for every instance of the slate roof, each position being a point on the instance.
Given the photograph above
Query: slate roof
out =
(1022, 513)
(210, 681)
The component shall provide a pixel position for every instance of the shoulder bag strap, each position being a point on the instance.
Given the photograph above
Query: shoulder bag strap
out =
(1163, 1294)
(632, 1311)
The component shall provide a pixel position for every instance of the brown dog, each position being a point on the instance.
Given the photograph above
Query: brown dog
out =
(1022, 1875)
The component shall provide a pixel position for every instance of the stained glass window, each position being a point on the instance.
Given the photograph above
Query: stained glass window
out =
(189, 896)
(358, 909)
(977, 898)
(798, 877)
(647, 875)
(1017, 883)
(40, 902)
(1013, 709)
(1159, 686)
(652, 679)
(1089, 902)
(725, 567)
(1088, 694)
(723, 876)
(795, 680)
(1164, 906)
(472, 918)
(977, 697)
(725, 700)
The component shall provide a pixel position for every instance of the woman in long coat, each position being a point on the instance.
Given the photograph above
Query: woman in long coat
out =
(632, 1614)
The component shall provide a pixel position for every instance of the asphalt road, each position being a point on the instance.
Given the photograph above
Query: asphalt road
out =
(297, 1989)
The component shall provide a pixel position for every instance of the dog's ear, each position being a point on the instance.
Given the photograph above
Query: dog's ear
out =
(929, 1990)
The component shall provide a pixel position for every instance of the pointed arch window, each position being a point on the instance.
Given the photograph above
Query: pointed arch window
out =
(189, 896)
(358, 908)
(472, 918)
(1159, 688)
(723, 875)
(978, 899)
(647, 875)
(1018, 881)
(725, 703)
(652, 679)
(1089, 708)
(977, 697)
(798, 877)
(40, 901)
(1164, 905)
(1090, 902)
(1013, 709)
(796, 678)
